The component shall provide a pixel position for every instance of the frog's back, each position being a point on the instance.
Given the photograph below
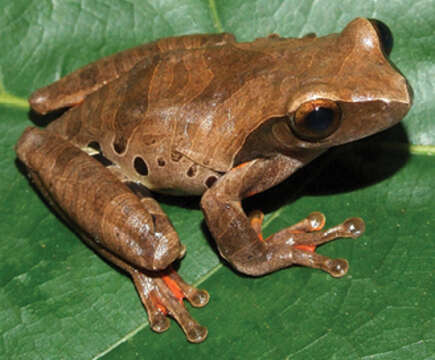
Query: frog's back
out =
(207, 101)
(191, 106)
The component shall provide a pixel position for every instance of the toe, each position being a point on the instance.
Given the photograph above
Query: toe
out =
(354, 227)
(337, 267)
(316, 221)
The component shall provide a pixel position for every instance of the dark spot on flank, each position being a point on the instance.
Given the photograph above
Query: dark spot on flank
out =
(161, 162)
(176, 156)
(119, 145)
(192, 171)
(140, 166)
(210, 181)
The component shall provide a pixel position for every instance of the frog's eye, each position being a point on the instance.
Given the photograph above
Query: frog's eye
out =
(384, 34)
(315, 120)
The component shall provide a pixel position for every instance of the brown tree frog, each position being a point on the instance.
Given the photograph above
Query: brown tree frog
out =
(206, 115)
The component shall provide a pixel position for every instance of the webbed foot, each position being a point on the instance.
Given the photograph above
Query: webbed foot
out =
(162, 295)
(303, 238)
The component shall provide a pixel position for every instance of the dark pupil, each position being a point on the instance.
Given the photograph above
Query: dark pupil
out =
(319, 120)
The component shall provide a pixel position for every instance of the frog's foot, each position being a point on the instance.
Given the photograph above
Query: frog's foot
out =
(305, 236)
(162, 295)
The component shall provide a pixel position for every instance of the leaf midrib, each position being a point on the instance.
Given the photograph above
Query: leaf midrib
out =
(12, 100)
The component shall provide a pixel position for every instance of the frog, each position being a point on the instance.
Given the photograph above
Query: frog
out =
(208, 116)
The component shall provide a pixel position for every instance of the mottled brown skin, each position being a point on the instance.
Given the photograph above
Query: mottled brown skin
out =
(205, 115)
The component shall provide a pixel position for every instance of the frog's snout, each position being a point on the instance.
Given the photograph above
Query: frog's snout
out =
(410, 94)
(402, 107)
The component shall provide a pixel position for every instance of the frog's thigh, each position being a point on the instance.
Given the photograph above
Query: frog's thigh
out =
(98, 202)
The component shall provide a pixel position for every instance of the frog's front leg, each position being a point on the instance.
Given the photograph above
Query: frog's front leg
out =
(132, 232)
(239, 237)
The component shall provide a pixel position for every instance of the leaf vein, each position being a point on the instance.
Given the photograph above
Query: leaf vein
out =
(216, 20)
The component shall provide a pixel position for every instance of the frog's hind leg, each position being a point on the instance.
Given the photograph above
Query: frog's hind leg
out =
(162, 294)
(129, 230)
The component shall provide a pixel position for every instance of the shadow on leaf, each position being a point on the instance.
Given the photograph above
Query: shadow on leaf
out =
(343, 169)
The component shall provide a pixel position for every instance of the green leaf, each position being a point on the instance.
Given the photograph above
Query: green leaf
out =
(60, 300)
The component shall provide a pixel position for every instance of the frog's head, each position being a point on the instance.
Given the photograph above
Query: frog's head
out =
(350, 93)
